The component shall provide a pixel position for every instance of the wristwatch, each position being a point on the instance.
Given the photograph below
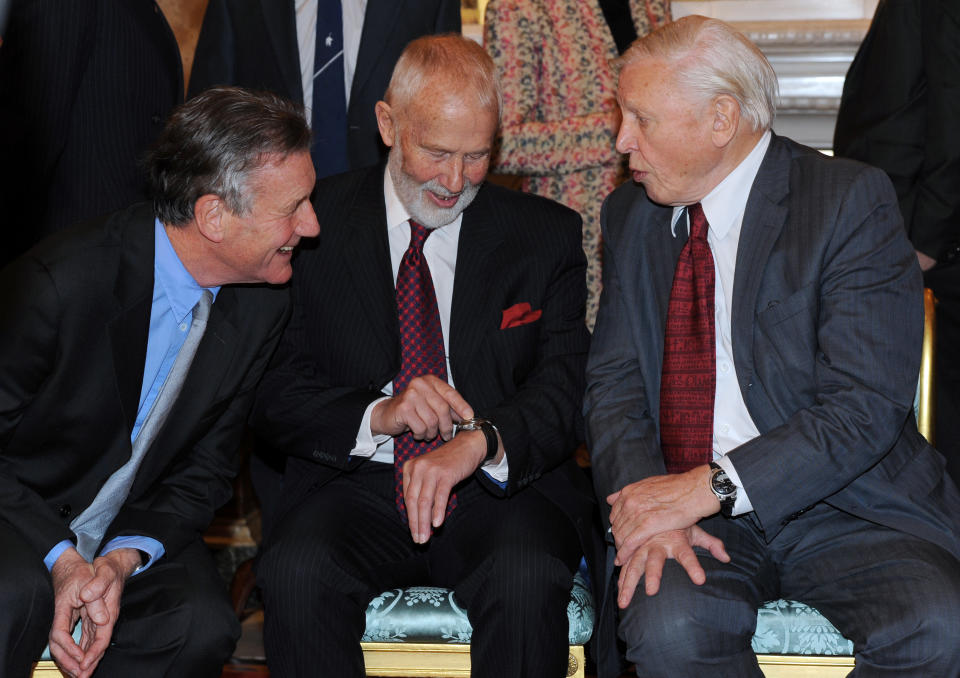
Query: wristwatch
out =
(723, 488)
(489, 432)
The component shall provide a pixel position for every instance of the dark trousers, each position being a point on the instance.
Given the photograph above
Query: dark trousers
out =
(895, 596)
(175, 618)
(510, 562)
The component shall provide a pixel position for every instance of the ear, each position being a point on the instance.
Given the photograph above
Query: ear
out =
(208, 213)
(726, 119)
(385, 123)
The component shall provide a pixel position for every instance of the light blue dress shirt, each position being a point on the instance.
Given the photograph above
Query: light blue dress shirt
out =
(175, 293)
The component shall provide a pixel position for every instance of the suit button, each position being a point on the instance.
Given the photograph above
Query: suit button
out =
(65, 511)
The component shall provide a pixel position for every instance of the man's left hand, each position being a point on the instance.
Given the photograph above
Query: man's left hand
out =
(101, 598)
(429, 479)
(659, 504)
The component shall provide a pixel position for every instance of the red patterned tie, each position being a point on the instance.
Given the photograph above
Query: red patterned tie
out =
(421, 347)
(689, 379)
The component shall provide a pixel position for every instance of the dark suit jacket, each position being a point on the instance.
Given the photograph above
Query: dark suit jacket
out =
(343, 342)
(253, 43)
(74, 319)
(899, 112)
(86, 88)
(826, 325)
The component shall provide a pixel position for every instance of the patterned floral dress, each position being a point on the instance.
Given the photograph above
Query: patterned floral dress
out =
(560, 115)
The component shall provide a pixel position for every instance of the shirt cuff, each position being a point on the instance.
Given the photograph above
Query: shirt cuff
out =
(499, 471)
(367, 443)
(742, 504)
(54, 554)
(148, 545)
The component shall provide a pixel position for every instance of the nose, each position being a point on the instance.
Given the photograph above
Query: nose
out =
(452, 177)
(307, 225)
(626, 138)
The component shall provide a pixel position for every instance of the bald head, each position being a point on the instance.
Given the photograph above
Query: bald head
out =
(446, 63)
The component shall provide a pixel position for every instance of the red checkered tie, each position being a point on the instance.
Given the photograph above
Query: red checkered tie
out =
(689, 380)
(421, 347)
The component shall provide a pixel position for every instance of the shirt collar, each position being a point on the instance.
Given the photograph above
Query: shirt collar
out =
(398, 216)
(727, 201)
(181, 290)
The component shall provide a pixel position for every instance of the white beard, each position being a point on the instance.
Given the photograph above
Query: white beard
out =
(421, 209)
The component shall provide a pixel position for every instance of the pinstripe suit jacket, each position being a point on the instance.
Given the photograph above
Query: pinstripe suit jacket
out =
(342, 345)
(826, 327)
(86, 88)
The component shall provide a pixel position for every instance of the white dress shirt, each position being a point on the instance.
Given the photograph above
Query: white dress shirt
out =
(724, 207)
(440, 251)
(306, 15)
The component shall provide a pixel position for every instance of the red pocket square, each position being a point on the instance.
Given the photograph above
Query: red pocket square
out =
(519, 314)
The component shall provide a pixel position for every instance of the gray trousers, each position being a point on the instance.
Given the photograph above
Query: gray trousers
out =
(895, 596)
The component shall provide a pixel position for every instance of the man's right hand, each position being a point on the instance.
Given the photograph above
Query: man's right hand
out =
(70, 574)
(647, 561)
(427, 407)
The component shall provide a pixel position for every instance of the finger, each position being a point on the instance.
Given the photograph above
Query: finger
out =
(425, 503)
(611, 499)
(688, 559)
(64, 618)
(440, 499)
(653, 572)
(698, 537)
(97, 649)
(411, 492)
(629, 578)
(65, 652)
(453, 400)
(97, 611)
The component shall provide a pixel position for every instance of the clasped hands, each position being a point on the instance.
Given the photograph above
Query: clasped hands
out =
(656, 519)
(429, 407)
(90, 593)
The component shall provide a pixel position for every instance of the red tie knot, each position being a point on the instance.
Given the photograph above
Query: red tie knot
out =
(698, 222)
(418, 234)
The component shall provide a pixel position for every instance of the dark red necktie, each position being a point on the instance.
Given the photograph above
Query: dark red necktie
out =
(689, 380)
(421, 347)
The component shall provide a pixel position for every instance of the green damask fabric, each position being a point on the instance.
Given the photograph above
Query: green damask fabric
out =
(420, 614)
(789, 627)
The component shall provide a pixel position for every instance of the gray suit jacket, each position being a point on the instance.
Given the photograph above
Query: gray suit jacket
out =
(826, 329)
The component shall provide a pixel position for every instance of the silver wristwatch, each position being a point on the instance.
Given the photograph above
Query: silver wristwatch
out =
(723, 488)
(489, 432)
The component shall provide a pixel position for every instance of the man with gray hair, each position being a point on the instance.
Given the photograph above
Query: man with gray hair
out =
(129, 350)
(432, 299)
(750, 385)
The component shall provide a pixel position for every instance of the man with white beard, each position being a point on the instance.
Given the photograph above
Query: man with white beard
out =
(432, 303)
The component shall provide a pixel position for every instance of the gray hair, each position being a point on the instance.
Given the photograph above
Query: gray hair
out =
(213, 143)
(712, 58)
(460, 60)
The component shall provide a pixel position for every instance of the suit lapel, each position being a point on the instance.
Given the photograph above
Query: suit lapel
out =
(763, 221)
(379, 20)
(470, 312)
(129, 328)
(367, 258)
(281, 22)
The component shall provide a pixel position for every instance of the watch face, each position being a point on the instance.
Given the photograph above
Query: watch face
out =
(721, 484)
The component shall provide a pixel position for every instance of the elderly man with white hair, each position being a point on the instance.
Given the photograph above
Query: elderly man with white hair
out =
(750, 385)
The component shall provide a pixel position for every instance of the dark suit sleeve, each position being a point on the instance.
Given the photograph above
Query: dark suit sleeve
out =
(621, 430)
(28, 354)
(539, 419)
(182, 502)
(299, 408)
(839, 358)
(934, 224)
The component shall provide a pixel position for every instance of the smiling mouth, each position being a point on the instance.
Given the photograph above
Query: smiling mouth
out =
(286, 248)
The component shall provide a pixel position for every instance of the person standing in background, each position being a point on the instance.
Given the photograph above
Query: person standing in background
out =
(333, 56)
(899, 112)
(560, 113)
(87, 86)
